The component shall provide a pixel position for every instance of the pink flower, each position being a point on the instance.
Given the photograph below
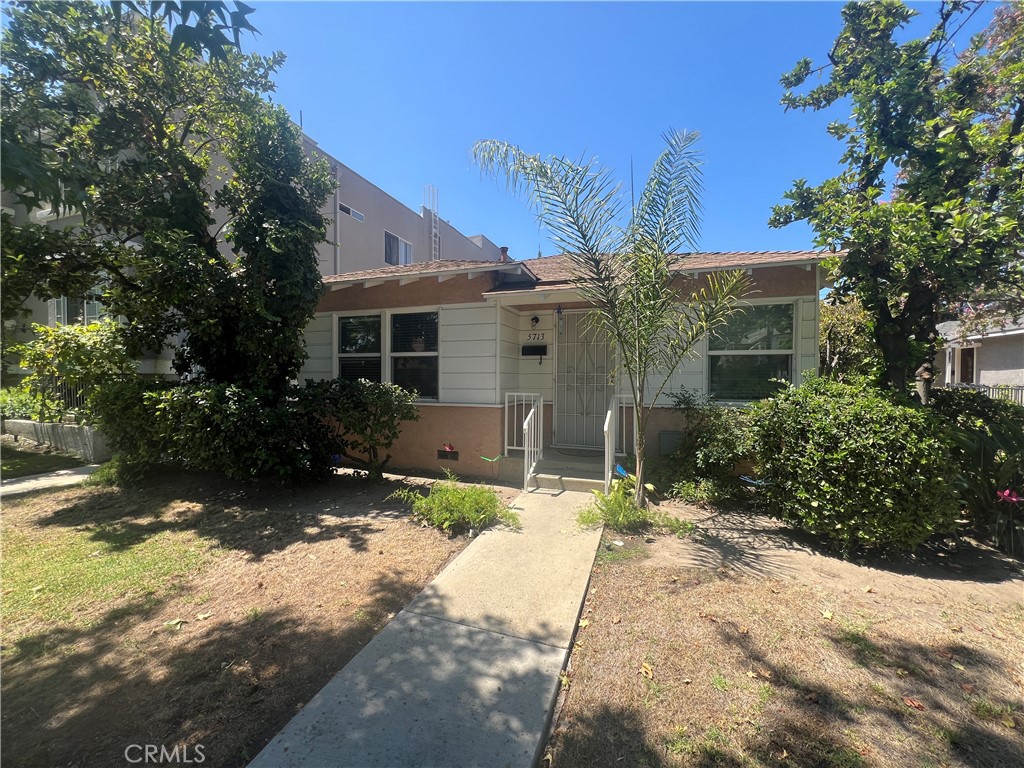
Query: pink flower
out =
(1008, 496)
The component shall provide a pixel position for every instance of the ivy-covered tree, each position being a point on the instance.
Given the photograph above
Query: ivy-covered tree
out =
(186, 196)
(929, 203)
(847, 341)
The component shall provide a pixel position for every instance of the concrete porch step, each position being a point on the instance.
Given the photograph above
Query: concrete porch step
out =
(562, 472)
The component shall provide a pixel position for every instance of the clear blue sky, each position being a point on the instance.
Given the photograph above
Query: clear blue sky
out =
(400, 92)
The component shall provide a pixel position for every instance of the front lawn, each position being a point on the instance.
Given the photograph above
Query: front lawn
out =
(20, 459)
(192, 612)
(746, 647)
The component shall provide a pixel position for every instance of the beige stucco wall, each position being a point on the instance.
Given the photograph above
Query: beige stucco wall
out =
(1000, 360)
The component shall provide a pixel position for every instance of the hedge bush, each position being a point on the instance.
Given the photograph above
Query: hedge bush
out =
(846, 462)
(216, 427)
(364, 417)
(986, 437)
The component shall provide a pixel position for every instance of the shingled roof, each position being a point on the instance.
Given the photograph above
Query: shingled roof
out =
(556, 271)
(422, 269)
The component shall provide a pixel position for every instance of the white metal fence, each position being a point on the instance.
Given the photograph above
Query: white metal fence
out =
(998, 391)
(517, 406)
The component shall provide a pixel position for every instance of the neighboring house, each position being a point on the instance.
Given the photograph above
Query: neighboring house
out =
(990, 358)
(484, 344)
(367, 228)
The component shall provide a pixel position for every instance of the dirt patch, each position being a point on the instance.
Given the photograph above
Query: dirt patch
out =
(293, 583)
(747, 647)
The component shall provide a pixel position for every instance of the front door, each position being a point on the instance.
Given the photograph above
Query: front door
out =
(584, 382)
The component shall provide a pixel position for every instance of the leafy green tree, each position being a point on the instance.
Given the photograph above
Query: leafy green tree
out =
(847, 342)
(627, 272)
(190, 199)
(929, 203)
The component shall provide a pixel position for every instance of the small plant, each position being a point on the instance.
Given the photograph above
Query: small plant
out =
(619, 511)
(456, 508)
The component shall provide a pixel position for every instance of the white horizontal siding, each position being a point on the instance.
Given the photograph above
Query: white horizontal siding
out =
(318, 338)
(468, 355)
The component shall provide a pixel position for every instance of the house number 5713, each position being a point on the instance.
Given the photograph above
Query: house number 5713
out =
(535, 337)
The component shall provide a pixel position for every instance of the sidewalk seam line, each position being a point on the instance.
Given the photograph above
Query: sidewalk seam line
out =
(481, 629)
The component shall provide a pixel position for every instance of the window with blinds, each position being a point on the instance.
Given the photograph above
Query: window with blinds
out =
(359, 348)
(414, 353)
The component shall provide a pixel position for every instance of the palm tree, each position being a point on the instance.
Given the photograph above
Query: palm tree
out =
(626, 270)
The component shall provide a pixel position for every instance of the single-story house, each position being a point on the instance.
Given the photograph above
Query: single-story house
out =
(992, 358)
(487, 343)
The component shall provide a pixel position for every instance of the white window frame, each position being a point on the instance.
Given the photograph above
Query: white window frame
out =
(348, 209)
(791, 353)
(385, 344)
(338, 354)
(404, 249)
(436, 353)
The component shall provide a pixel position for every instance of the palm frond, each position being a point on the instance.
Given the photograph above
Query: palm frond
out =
(667, 218)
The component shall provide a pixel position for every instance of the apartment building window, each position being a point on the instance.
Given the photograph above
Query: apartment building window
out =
(396, 250)
(414, 353)
(754, 348)
(359, 346)
(351, 212)
(75, 310)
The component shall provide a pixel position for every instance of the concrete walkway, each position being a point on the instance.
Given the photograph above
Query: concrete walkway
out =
(46, 480)
(467, 674)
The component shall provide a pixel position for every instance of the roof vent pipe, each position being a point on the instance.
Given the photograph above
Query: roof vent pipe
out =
(504, 254)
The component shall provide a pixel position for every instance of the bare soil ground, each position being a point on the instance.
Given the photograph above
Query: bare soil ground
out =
(745, 646)
(268, 593)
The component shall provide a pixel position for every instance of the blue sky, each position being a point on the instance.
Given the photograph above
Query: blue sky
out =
(400, 92)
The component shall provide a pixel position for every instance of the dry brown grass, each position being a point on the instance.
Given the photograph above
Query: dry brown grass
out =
(290, 585)
(832, 664)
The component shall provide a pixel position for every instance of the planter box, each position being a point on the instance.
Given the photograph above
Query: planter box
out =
(83, 441)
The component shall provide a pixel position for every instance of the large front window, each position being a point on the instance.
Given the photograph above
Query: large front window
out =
(753, 349)
(414, 353)
(359, 347)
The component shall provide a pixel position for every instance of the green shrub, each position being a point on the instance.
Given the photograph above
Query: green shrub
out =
(366, 417)
(849, 464)
(716, 440)
(986, 438)
(455, 508)
(18, 403)
(216, 427)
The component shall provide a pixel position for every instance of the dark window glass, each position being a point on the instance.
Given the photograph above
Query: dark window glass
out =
(747, 377)
(359, 334)
(416, 374)
(353, 368)
(416, 332)
(768, 326)
(390, 248)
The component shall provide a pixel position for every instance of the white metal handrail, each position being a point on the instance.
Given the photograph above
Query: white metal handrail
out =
(533, 440)
(624, 423)
(1008, 392)
(517, 406)
(610, 429)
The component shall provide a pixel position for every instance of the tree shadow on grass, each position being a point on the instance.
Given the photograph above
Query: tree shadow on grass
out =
(81, 696)
(919, 698)
(255, 518)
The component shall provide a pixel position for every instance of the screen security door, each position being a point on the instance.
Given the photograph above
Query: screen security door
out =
(584, 382)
